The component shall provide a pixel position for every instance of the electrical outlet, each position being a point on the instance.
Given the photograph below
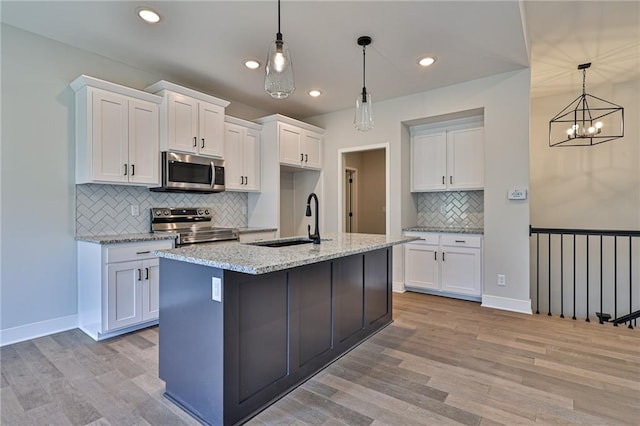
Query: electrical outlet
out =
(443, 209)
(244, 210)
(216, 289)
(135, 210)
(502, 280)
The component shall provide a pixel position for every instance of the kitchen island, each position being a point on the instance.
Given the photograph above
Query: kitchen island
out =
(243, 324)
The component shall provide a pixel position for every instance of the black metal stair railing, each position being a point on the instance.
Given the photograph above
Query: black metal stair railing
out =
(623, 289)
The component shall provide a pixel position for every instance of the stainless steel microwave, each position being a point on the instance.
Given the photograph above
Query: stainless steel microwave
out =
(191, 173)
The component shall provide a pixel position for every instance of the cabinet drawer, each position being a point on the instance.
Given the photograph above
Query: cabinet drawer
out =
(134, 251)
(461, 240)
(425, 237)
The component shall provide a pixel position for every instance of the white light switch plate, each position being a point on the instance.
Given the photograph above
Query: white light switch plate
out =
(216, 289)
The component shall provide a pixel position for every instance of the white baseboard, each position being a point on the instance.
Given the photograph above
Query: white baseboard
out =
(507, 304)
(398, 287)
(37, 329)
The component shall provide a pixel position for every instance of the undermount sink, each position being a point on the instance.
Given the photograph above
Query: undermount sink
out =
(285, 243)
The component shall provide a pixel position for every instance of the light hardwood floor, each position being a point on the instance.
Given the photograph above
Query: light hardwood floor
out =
(441, 362)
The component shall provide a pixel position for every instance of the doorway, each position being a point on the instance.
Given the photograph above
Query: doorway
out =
(364, 181)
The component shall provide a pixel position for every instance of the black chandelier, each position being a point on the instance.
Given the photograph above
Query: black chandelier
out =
(588, 120)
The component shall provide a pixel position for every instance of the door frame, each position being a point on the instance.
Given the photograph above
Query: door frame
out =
(341, 181)
(354, 199)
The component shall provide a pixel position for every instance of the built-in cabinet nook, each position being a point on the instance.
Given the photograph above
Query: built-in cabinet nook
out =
(447, 182)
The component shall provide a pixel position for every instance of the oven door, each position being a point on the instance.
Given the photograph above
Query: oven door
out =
(183, 172)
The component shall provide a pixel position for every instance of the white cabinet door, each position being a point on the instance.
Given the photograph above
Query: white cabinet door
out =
(465, 159)
(143, 142)
(233, 164)
(210, 130)
(461, 270)
(290, 138)
(311, 150)
(428, 162)
(151, 289)
(109, 136)
(182, 123)
(252, 160)
(421, 266)
(123, 292)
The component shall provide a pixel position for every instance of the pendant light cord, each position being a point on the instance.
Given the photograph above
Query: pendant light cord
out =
(279, 35)
(364, 65)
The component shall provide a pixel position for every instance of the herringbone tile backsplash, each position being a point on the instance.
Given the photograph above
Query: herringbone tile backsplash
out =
(463, 209)
(106, 209)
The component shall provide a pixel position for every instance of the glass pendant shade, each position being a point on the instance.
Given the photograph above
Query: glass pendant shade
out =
(278, 81)
(363, 119)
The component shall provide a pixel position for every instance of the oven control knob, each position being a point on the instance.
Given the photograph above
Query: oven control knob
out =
(158, 212)
(200, 212)
(206, 212)
(165, 212)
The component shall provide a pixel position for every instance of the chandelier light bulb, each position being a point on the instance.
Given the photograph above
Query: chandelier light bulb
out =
(279, 62)
(591, 130)
(598, 124)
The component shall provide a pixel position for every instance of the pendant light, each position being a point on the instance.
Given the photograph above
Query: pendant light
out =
(586, 121)
(363, 119)
(278, 81)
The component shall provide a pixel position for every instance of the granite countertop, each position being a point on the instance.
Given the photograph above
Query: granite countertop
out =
(125, 238)
(450, 230)
(253, 259)
(247, 230)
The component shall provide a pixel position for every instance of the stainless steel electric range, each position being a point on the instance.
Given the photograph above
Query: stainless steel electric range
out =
(192, 224)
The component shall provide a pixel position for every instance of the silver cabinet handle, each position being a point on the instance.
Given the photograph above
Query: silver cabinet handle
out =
(125, 169)
(202, 143)
(139, 274)
(195, 141)
(450, 179)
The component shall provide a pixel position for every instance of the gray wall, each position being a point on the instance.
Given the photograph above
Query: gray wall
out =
(505, 99)
(38, 256)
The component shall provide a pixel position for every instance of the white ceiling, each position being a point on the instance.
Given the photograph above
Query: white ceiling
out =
(203, 44)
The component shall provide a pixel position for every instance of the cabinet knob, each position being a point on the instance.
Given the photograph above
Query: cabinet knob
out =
(195, 141)
(202, 143)
(133, 169)
(435, 255)
(139, 274)
(306, 158)
(246, 180)
(450, 179)
(443, 256)
(125, 169)
(443, 180)
(301, 157)
(146, 273)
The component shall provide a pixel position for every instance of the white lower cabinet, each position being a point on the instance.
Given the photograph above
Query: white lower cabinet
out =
(118, 287)
(446, 264)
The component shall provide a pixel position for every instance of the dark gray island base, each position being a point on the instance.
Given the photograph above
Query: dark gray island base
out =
(223, 362)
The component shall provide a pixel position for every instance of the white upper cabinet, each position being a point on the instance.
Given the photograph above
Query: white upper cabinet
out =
(190, 121)
(117, 133)
(299, 147)
(242, 155)
(447, 160)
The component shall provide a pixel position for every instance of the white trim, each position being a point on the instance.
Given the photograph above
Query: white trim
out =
(387, 161)
(288, 120)
(85, 80)
(12, 335)
(241, 122)
(161, 86)
(354, 199)
(398, 287)
(507, 304)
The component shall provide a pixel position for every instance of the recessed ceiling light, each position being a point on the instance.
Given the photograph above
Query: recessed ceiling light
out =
(315, 93)
(148, 15)
(252, 64)
(425, 62)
